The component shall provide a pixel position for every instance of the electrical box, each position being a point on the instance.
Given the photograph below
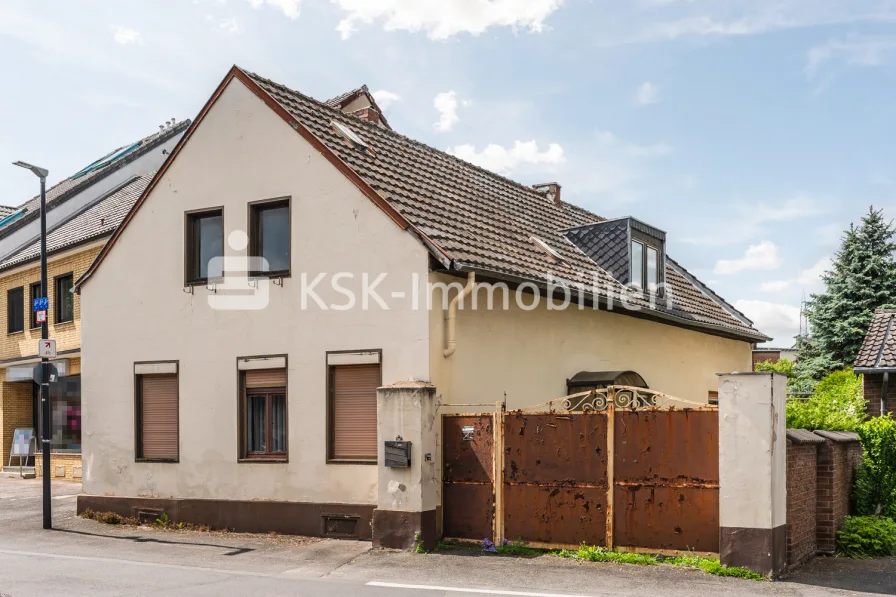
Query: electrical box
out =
(398, 454)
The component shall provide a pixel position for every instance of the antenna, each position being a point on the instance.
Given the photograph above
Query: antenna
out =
(804, 319)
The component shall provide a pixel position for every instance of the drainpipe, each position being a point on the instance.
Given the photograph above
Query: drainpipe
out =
(883, 393)
(451, 315)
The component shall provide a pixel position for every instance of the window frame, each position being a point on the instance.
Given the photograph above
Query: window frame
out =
(34, 324)
(243, 455)
(58, 303)
(253, 249)
(190, 244)
(330, 371)
(647, 243)
(138, 422)
(9, 304)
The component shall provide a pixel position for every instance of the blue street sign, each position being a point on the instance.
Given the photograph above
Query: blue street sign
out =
(41, 304)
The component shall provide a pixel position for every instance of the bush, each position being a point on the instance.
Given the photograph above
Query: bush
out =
(838, 405)
(867, 537)
(874, 492)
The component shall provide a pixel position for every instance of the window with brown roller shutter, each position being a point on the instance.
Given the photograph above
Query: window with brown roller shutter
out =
(352, 390)
(157, 424)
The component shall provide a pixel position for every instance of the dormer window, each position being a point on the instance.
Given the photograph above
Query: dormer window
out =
(628, 249)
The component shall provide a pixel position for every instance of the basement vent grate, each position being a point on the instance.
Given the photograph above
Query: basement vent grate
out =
(340, 526)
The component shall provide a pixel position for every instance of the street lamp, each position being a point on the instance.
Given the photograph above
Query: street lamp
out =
(44, 334)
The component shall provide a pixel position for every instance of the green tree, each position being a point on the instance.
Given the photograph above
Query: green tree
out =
(862, 278)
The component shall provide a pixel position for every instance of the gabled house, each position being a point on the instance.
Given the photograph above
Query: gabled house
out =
(82, 212)
(277, 271)
(876, 362)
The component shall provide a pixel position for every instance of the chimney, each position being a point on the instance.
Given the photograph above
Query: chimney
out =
(369, 114)
(551, 190)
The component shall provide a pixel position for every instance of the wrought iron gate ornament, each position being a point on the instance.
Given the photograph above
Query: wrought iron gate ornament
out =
(623, 397)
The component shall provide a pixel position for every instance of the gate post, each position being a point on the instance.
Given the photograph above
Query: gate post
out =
(406, 495)
(753, 471)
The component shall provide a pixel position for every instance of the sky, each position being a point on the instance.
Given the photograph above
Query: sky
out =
(752, 131)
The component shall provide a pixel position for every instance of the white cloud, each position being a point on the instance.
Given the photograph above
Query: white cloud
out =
(504, 160)
(647, 94)
(289, 7)
(808, 279)
(442, 19)
(778, 320)
(446, 104)
(126, 35)
(385, 98)
(852, 51)
(762, 256)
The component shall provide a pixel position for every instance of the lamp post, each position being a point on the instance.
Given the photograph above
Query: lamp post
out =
(44, 334)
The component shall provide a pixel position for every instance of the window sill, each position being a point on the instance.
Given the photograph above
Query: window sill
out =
(349, 461)
(268, 275)
(22, 332)
(67, 321)
(189, 283)
(157, 460)
(263, 460)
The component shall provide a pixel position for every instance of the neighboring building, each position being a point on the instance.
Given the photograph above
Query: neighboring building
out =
(82, 212)
(876, 363)
(763, 354)
(233, 397)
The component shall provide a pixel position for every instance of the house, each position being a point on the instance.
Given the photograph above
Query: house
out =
(82, 212)
(876, 362)
(762, 354)
(276, 272)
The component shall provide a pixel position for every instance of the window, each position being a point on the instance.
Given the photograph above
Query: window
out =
(269, 238)
(352, 380)
(65, 300)
(713, 398)
(204, 243)
(157, 429)
(36, 292)
(646, 265)
(637, 264)
(263, 405)
(15, 310)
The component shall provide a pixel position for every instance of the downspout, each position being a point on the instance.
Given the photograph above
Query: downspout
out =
(451, 315)
(883, 393)
(880, 355)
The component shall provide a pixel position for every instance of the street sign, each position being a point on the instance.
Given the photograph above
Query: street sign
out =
(46, 349)
(41, 304)
(40, 316)
(52, 373)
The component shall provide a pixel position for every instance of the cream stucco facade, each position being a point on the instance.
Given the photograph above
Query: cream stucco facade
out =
(136, 309)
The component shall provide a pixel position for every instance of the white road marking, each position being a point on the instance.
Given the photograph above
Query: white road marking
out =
(395, 585)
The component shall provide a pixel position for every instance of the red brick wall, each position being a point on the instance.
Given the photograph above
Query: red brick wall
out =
(760, 357)
(836, 464)
(873, 383)
(801, 502)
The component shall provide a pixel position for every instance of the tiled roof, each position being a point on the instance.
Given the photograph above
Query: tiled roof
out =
(95, 221)
(485, 222)
(72, 185)
(5, 210)
(803, 436)
(879, 348)
(843, 437)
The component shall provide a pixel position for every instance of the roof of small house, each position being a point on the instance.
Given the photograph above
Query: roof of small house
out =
(469, 218)
(94, 221)
(879, 347)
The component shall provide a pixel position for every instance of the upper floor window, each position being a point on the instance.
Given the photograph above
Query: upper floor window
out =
(15, 310)
(204, 246)
(269, 237)
(36, 292)
(646, 265)
(65, 300)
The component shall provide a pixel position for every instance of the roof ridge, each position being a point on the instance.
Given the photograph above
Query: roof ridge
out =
(395, 133)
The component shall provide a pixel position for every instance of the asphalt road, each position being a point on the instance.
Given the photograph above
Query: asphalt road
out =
(82, 557)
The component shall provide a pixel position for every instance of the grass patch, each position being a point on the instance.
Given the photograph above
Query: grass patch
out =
(163, 522)
(588, 553)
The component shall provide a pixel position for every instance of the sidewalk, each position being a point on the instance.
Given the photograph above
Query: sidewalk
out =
(91, 558)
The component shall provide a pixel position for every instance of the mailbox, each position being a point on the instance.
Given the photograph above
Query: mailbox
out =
(398, 454)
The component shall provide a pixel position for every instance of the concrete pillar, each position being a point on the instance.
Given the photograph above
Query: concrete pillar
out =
(753, 471)
(406, 497)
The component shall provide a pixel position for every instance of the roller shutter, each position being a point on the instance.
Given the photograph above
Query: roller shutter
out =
(158, 416)
(354, 411)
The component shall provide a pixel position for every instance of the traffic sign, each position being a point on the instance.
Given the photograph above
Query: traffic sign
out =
(46, 349)
(41, 304)
(40, 316)
(52, 373)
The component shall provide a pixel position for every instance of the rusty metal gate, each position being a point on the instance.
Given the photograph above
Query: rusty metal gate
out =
(558, 462)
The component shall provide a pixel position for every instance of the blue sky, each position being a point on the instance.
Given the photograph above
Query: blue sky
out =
(752, 131)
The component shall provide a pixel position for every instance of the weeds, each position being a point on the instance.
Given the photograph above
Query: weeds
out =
(418, 543)
(517, 547)
(163, 522)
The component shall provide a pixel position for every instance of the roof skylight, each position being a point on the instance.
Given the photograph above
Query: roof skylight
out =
(352, 137)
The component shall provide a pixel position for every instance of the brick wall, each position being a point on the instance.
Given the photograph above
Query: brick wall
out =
(762, 356)
(837, 460)
(873, 384)
(15, 413)
(62, 466)
(801, 501)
